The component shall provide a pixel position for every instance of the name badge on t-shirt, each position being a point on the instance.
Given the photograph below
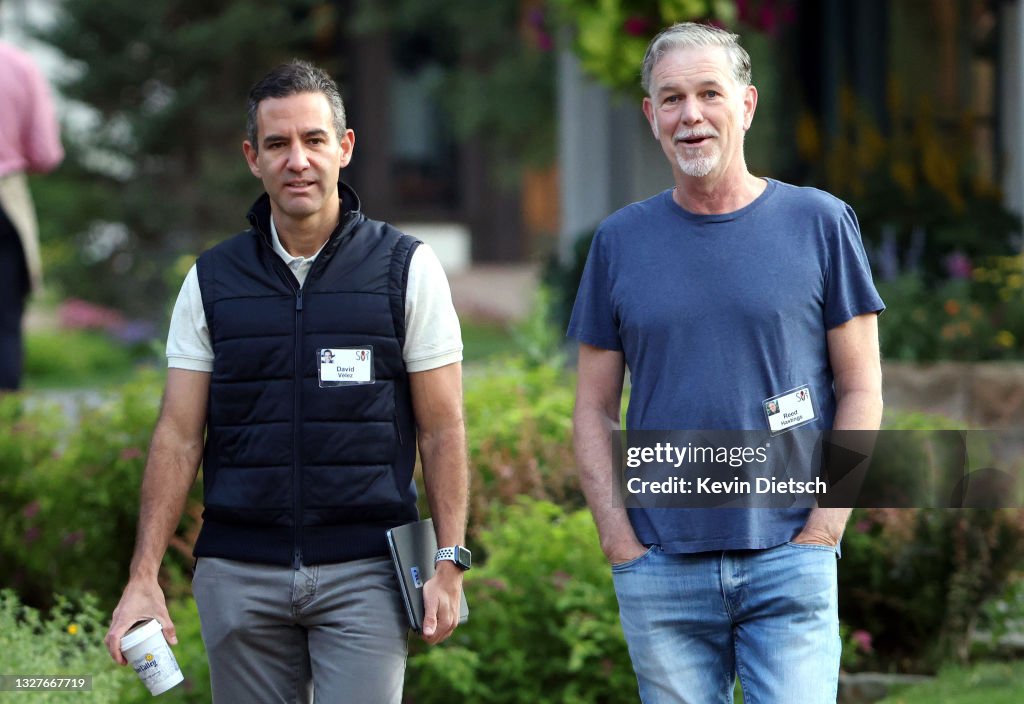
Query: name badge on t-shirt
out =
(345, 366)
(789, 410)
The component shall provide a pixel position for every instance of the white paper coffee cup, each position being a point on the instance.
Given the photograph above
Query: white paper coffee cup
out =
(147, 652)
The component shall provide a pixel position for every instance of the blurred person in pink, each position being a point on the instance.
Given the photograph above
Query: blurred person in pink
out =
(29, 143)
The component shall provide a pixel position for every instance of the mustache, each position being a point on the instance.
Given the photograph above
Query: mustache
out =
(694, 134)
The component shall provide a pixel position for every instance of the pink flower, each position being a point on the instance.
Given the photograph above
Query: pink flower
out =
(863, 640)
(31, 535)
(560, 578)
(862, 526)
(30, 510)
(81, 315)
(544, 41)
(636, 25)
(130, 453)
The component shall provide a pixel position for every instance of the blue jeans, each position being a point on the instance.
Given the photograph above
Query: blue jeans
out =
(693, 622)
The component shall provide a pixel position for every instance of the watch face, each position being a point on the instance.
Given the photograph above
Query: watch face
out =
(463, 557)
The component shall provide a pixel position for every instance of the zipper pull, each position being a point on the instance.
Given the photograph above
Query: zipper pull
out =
(298, 300)
(297, 559)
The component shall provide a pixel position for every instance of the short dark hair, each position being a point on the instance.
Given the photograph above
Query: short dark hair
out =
(292, 78)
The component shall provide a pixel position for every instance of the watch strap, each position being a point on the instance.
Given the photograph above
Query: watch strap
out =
(445, 554)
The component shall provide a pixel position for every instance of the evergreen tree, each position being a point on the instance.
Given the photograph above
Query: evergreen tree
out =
(160, 174)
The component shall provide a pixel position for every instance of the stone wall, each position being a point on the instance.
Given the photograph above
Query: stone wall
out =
(977, 394)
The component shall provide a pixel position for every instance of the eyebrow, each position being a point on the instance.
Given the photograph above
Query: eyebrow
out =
(675, 88)
(315, 132)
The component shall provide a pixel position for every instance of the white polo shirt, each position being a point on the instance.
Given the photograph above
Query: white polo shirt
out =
(433, 337)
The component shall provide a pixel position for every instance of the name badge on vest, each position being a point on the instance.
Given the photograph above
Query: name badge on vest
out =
(345, 366)
(789, 410)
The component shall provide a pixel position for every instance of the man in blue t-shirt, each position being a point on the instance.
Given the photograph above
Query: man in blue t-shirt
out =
(674, 288)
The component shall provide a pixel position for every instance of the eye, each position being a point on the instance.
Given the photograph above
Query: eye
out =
(711, 94)
(672, 99)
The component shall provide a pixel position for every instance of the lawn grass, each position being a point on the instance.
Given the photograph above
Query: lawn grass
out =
(984, 683)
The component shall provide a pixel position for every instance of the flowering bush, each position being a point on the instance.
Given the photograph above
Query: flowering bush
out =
(975, 317)
(611, 36)
(916, 580)
(67, 642)
(69, 495)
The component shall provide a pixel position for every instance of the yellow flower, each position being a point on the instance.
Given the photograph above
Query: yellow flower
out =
(808, 138)
(73, 628)
(1005, 338)
(952, 307)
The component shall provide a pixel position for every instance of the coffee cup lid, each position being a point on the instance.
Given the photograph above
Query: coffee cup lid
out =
(139, 633)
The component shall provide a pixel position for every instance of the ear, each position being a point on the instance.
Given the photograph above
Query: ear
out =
(648, 107)
(749, 106)
(250, 157)
(348, 145)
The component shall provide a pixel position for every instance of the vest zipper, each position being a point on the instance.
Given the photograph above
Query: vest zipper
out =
(297, 433)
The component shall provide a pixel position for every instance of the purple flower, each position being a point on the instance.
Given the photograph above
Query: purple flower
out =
(31, 535)
(958, 266)
(135, 331)
(30, 510)
(73, 538)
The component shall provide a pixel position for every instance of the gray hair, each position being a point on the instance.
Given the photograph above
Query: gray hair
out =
(686, 35)
(291, 79)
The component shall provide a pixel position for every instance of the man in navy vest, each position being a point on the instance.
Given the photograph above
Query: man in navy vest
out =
(673, 289)
(313, 351)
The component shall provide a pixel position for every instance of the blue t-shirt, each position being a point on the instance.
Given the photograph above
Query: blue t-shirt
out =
(716, 314)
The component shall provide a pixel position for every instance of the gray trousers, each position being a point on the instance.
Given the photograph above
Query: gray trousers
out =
(325, 633)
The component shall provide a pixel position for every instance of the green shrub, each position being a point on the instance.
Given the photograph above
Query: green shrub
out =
(544, 623)
(917, 580)
(562, 278)
(74, 358)
(66, 642)
(71, 502)
(519, 435)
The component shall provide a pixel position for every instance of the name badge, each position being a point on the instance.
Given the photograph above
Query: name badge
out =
(789, 410)
(345, 366)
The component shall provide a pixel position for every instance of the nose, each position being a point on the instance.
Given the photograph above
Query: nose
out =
(297, 160)
(690, 113)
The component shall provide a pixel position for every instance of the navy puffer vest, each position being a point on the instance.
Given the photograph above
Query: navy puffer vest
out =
(294, 471)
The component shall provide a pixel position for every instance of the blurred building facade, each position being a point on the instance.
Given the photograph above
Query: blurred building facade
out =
(954, 68)
(948, 71)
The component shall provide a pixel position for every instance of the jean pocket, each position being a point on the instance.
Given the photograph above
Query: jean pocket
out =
(622, 566)
(812, 546)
